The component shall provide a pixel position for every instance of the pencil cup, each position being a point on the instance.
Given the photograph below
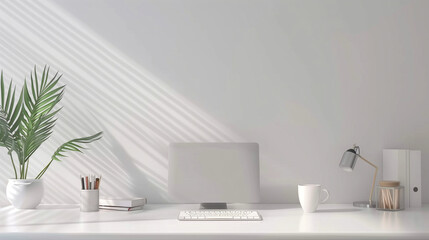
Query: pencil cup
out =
(390, 196)
(89, 200)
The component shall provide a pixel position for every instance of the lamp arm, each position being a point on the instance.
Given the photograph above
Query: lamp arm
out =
(375, 176)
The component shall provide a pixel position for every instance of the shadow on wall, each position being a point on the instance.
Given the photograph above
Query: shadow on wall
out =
(105, 91)
(137, 177)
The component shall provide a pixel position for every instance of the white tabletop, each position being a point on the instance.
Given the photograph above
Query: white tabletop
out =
(159, 221)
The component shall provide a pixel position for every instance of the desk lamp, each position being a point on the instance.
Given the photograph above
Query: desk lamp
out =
(348, 162)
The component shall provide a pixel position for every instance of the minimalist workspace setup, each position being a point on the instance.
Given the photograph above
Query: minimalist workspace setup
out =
(235, 119)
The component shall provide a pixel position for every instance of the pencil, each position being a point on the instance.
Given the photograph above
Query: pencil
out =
(83, 183)
(86, 178)
(93, 182)
(97, 182)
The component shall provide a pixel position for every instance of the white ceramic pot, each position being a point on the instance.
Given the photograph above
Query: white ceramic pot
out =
(24, 193)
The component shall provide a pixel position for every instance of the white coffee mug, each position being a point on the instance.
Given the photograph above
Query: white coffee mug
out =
(309, 196)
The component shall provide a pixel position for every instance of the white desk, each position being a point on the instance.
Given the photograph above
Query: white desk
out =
(159, 222)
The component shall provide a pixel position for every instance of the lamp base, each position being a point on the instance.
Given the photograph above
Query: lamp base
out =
(364, 204)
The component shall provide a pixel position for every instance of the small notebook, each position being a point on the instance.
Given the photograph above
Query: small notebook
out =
(122, 202)
(121, 208)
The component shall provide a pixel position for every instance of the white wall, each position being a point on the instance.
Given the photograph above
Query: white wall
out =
(305, 79)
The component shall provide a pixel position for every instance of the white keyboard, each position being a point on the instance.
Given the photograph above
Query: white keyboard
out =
(219, 215)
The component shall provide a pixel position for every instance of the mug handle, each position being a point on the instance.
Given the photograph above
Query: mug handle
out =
(327, 195)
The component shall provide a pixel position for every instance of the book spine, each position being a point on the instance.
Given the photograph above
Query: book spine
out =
(122, 203)
(121, 208)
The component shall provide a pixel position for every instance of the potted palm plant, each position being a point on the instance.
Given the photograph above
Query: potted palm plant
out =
(27, 121)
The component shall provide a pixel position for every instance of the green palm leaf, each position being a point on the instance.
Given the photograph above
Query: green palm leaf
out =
(38, 121)
(6, 138)
(72, 145)
(75, 145)
(27, 120)
(10, 116)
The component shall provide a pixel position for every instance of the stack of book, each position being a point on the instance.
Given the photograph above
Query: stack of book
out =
(122, 204)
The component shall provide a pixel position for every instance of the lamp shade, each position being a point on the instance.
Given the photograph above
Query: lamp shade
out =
(348, 161)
